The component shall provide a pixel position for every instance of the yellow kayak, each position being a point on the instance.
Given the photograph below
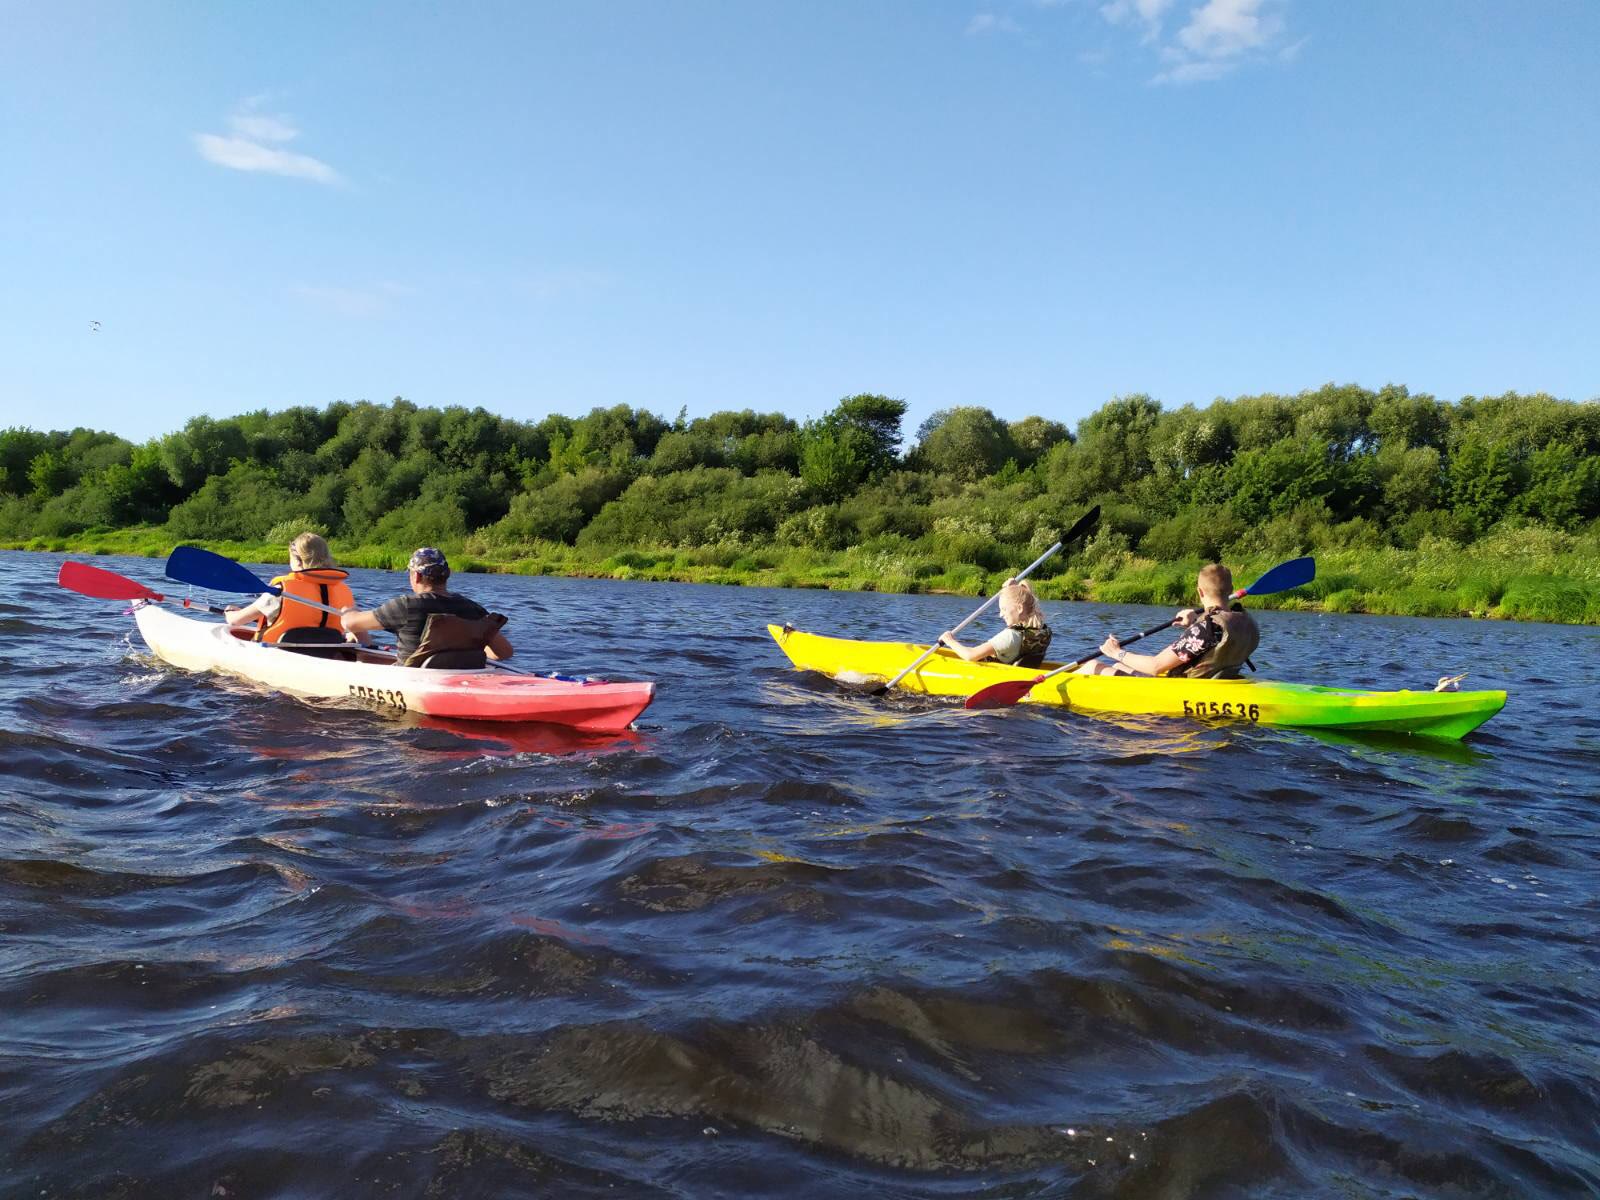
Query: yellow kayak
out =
(1433, 714)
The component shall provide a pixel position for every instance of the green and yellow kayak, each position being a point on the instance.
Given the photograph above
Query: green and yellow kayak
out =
(1432, 714)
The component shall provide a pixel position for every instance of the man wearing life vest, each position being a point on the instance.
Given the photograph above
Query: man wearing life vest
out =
(313, 578)
(1216, 640)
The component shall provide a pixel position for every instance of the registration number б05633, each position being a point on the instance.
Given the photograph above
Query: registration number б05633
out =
(393, 697)
(1211, 708)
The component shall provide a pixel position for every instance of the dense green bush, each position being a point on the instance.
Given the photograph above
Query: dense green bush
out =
(240, 505)
(1207, 532)
(704, 506)
(964, 443)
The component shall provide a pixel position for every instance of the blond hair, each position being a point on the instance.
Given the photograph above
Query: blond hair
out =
(312, 552)
(1019, 606)
(1215, 580)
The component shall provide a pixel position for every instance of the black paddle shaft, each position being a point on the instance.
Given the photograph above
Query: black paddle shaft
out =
(1127, 641)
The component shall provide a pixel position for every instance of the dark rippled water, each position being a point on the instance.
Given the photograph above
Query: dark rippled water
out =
(785, 940)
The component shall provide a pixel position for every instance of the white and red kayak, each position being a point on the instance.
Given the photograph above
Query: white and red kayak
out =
(483, 695)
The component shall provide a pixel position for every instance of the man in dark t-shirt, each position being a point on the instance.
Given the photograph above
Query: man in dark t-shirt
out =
(406, 616)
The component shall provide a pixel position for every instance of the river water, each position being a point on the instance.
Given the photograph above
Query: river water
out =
(784, 939)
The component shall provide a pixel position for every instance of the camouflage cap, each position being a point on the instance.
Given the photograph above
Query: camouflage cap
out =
(429, 563)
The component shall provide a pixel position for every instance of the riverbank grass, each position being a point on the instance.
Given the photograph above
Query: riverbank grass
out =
(1516, 574)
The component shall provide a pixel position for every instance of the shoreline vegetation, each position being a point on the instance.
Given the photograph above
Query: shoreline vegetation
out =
(1411, 505)
(1507, 580)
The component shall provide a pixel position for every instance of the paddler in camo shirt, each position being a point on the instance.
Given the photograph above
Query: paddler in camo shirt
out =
(406, 616)
(1217, 638)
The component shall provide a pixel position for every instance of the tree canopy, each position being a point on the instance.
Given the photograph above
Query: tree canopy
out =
(1337, 465)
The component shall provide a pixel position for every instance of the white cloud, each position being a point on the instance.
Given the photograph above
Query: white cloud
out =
(263, 128)
(1198, 71)
(241, 154)
(1215, 38)
(988, 22)
(256, 144)
(1221, 29)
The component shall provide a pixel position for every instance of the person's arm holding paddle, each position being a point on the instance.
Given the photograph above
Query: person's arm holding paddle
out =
(262, 608)
(358, 623)
(1201, 635)
(976, 653)
(1142, 664)
(1177, 655)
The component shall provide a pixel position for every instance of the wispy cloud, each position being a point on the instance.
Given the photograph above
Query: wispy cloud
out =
(1199, 70)
(1145, 15)
(1216, 37)
(354, 301)
(1292, 51)
(1223, 29)
(988, 22)
(256, 141)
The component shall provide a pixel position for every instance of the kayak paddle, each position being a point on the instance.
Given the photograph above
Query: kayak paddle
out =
(108, 585)
(102, 584)
(1084, 526)
(1281, 578)
(202, 568)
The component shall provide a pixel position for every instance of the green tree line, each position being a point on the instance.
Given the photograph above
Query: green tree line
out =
(1341, 467)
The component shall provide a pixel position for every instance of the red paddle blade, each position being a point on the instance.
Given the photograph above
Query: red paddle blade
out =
(102, 584)
(1003, 694)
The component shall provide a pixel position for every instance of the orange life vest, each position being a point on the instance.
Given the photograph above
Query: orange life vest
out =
(323, 585)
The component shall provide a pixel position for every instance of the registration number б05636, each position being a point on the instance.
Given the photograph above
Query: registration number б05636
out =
(1211, 708)
(393, 697)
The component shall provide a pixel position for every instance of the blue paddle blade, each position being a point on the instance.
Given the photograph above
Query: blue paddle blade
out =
(1284, 576)
(202, 568)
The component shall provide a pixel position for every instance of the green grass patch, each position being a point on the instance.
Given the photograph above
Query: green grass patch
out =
(1567, 602)
(1347, 600)
(1420, 600)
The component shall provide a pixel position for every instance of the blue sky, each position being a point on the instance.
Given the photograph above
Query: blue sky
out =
(1032, 205)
